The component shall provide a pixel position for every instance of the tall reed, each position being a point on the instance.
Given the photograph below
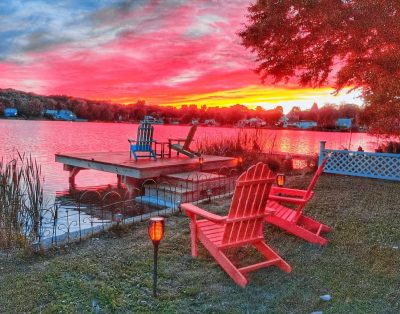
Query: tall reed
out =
(251, 146)
(21, 201)
(391, 147)
(243, 141)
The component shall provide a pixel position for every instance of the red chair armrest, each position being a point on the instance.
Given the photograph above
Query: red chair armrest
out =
(192, 211)
(275, 190)
(287, 199)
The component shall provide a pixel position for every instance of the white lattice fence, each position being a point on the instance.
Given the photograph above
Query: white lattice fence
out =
(361, 164)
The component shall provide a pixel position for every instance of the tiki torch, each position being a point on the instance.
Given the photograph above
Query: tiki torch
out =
(280, 179)
(156, 233)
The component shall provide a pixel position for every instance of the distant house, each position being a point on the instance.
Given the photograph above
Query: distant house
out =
(256, 122)
(241, 123)
(252, 122)
(66, 115)
(50, 113)
(283, 121)
(152, 120)
(10, 112)
(305, 124)
(344, 123)
(210, 122)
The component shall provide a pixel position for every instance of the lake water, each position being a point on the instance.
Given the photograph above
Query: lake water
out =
(43, 139)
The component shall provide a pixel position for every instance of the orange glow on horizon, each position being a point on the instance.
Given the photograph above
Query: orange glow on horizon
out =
(253, 96)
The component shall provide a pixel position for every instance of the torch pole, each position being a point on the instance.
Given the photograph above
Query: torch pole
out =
(155, 269)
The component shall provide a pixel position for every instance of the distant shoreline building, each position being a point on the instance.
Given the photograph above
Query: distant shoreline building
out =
(283, 121)
(10, 112)
(303, 124)
(252, 122)
(306, 124)
(344, 123)
(152, 120)
(210, 122)
(65, 115)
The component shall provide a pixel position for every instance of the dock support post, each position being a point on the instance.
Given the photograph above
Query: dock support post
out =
(133, 185)
(73, 172)
(119, 181)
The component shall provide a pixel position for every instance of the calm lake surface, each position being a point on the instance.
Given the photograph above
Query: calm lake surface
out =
(43, 139)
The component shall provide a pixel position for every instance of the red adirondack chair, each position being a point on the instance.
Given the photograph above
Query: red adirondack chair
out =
(243, 225)
(293, 220)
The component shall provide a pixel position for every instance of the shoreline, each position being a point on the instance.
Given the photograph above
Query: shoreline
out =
(201, 125)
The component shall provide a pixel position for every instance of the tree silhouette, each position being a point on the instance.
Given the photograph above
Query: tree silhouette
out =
(339, 42)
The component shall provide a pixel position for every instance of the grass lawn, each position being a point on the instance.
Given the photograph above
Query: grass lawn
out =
(360, 267)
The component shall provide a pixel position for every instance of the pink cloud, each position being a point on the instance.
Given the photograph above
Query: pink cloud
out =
(154, 52)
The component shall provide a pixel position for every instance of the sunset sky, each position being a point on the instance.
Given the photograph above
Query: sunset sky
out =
(169, 52)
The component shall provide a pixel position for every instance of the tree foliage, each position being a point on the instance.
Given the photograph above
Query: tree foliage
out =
(31, 105)
(339, 42)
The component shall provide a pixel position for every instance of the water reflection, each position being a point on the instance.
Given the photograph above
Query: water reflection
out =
(43, 139)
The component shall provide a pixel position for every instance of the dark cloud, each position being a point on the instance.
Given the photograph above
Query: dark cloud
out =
(42, 41)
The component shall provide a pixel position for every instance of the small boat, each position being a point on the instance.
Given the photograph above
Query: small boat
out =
(152, 120)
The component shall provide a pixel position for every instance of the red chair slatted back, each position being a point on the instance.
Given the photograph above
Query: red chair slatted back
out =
(245, 220)
(316, 176)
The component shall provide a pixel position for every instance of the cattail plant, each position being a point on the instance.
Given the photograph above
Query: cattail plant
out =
(21, 201)
(249, 145)
(243, 142)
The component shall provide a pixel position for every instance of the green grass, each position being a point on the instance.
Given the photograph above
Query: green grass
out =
(360, 267)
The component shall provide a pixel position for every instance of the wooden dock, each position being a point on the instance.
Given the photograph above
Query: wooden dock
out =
(134, 172)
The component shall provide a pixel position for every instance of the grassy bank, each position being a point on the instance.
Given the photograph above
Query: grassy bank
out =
(359, 267)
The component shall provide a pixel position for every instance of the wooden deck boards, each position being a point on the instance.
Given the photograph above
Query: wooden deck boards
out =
(119, 163)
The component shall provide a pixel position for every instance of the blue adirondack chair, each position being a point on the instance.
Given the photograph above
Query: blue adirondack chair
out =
(143, 142)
